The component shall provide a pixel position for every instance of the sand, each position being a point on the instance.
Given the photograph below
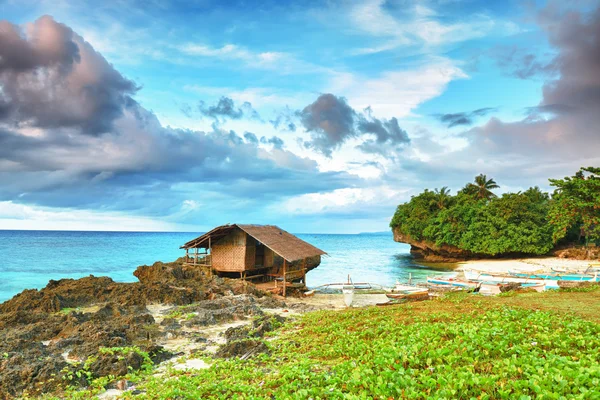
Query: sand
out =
(541, 264)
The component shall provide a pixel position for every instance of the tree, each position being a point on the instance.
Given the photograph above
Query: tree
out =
(576, 205)
(482, 188)
(442, 197)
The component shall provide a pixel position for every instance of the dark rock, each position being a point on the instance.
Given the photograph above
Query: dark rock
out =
(271, 302)
(122, 320)
(242, 348)
(116, 364)
(509, 287)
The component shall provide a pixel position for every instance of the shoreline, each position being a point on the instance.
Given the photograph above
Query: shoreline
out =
(532, 264)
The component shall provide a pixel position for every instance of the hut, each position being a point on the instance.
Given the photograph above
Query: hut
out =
(263, 252)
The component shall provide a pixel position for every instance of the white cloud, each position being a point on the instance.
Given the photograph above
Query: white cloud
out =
(281, 62)
(20, 216)
(422, 27)
(341, 200)
(397, 93)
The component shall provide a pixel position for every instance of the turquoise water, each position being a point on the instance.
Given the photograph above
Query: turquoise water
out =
(28, 259)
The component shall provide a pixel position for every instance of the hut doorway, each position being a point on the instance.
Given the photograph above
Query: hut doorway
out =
(259, 260)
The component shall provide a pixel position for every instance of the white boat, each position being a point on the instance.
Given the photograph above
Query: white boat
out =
(472, 275)
(452, 281)
(348, 292)
(407, 288)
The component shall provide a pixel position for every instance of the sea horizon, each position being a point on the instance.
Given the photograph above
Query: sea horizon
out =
(30, 258)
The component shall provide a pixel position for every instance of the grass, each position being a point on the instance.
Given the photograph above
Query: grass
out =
(523, 346)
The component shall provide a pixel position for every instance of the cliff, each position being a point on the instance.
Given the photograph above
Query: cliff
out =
(431, 252)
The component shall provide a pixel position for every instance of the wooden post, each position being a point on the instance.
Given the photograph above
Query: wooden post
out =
(196, 256)
(284, 278)
(304, 271)
(210, 267)
(187, 257)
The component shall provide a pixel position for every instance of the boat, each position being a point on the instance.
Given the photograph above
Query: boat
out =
(423, 294)
(476, 276)
(348, 292)
(591, 270)
(452, 281)
(555, 276)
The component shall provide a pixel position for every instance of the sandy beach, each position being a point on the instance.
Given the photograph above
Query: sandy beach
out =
(544, 264)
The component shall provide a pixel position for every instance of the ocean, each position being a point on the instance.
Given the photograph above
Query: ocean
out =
(28, 259)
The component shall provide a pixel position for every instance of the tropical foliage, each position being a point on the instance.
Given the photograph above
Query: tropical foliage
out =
(576, 206)
(529, 222)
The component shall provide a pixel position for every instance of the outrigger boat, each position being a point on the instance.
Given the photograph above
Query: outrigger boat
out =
(556, 276)
(452, 281)
(476, 276)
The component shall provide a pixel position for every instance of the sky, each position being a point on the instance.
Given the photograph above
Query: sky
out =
(317, 116)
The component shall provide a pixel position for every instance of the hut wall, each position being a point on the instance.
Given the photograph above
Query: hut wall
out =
(229, 253)
(269, 257)
(311, 262)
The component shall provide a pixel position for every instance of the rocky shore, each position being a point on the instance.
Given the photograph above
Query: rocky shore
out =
(74, 331)
(431, 252)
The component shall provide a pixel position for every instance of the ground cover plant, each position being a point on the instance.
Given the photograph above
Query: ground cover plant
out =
(462, 346)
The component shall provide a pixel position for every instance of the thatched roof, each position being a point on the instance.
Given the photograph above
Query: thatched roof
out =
(281, 242)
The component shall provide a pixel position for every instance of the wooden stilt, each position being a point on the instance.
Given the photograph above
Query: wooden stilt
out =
(284, 278)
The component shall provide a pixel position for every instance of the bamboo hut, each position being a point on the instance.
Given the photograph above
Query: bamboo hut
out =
(264, 252)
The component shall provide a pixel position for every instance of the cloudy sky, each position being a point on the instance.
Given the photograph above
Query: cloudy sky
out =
(317, 116)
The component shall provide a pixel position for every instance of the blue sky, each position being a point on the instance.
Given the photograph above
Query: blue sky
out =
(316, 116)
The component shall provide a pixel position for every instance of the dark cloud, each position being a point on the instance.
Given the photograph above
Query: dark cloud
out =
(284, 119)
(463, 118)
(51, 78)
(225, 108)
(563, 128)
(55, 101)
(250, 137)
(277, 142)
(522, 64)
(330, 120)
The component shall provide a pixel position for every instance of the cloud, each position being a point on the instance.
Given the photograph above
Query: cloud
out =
(51, 78)
(284, 119)
(274, 140)
(571, 100)
(398, 93)
(556, 137)
(71, 136)
(418, 25)
(523, 64)
(226, 109)
(332, 122)
(463, 118)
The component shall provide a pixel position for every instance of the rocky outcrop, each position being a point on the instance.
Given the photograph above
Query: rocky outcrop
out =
(47, 335)
(431, 252)
(578, 252)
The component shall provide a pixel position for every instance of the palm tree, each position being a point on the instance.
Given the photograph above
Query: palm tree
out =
(441, 197)
(482, 188)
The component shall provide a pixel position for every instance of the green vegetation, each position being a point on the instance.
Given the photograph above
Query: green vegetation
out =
(461, 346)
(576, 209)
(526, 345)
(528, 222)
